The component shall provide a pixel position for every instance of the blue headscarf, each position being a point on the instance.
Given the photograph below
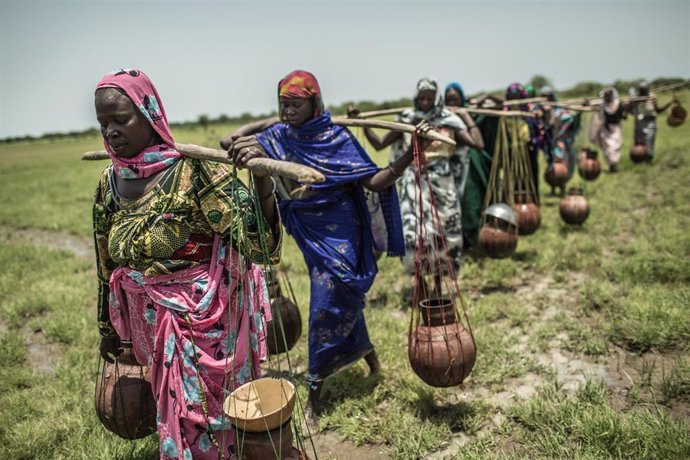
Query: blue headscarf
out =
(456, 86)
(333, 151)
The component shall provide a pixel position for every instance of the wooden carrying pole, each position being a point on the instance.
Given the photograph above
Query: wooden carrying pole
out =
(489, 112)
(400, 127)
(295, 171)
(525, 100)
(579, 101)
(569, 106)
(380, 113)
(670, 87)
(494, 113)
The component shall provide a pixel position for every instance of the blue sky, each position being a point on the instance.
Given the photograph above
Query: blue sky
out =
(213, 57)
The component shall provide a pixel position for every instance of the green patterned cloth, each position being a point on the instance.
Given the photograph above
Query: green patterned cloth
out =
(171, 227)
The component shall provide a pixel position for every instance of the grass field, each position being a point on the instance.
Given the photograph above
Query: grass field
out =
(582, 336)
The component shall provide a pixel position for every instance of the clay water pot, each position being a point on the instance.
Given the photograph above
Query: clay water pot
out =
(260, 412)
(589, 166)
(556, 174)
(574, 208)
(638, 153)
(124, 398)
(677, 115)
(270, 444)
(285, 327)
(528, 214)
(498, 237)
(437, 311)
(442, 356)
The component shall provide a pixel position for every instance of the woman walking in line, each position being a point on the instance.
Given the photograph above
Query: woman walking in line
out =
(177, 246)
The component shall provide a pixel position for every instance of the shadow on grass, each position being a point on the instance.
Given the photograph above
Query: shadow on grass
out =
(566, 229)
(349, 384)
(457, 417)
(529, 255)
(287, 374)
(380, 300)
(550, 200)
(493, 289)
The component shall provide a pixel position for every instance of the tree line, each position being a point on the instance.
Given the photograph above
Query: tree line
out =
(582, 89)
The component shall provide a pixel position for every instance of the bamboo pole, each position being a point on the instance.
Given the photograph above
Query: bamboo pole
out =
(295, 171)
(399, 127)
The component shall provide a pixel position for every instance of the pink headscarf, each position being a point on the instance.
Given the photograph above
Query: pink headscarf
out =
(138, 87)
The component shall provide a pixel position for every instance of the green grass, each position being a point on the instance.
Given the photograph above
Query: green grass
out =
(552, 425)
(618, 284)
(53, 293)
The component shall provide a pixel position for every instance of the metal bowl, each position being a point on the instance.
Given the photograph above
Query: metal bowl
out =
(503, 212)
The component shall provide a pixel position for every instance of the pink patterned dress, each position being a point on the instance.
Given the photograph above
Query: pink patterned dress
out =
(178, 279)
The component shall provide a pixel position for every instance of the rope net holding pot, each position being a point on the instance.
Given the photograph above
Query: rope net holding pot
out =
(498, 234)
(285, 326)
(441, 346)
(525, 192)
(292, 439)
(588, 164)
(125, 403)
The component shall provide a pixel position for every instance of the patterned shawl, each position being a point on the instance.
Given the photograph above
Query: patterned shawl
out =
(137, 86)
(333, 151)
(437, 115)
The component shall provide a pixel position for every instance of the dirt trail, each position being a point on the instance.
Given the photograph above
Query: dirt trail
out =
(81, 247)
(40, 351)
(618, 369)
(331, 446)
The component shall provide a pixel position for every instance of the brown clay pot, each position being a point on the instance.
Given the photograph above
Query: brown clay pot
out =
(437, 311)
(574, 208)
(528, 214)
(677, 115)
(556, 174)
(442, 356)
(589, 166)
(274, 444)
(286, 314)
(498, 238)
(638, 153)
(124, 398)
